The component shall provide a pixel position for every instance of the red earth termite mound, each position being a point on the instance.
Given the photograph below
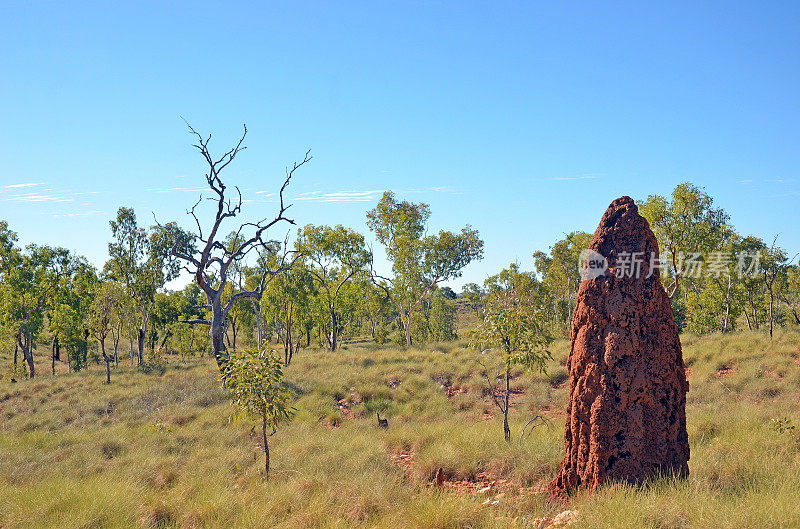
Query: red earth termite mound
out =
(626, 418)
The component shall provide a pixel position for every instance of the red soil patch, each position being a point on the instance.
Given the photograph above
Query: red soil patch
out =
(497, 489)
(403, 460)
(773, 374)
(727, 370)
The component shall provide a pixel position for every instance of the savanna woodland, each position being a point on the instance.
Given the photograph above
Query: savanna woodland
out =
(399, 265)
(290, 384)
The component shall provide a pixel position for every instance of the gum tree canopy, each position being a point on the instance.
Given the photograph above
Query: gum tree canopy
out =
(335, 255)
(419, 261)
(204, 253)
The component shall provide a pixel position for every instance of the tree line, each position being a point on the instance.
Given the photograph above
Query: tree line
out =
(249, 289)
(718, 279)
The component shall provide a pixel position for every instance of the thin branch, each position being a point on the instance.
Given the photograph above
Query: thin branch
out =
(193, 322)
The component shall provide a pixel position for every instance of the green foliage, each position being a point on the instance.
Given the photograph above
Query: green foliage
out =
(513, 324)
(784, 425)
(560, 277)
(440, 314)
(335, 258)
(254, 378)
(142, 261)
(419, 263)
(474, 294)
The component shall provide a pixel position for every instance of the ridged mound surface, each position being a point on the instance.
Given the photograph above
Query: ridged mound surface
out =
(626, 418)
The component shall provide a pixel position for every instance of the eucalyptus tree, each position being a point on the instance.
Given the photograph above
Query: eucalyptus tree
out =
(419, 261)
(473, 295)
(687, 223)
(167, 310)
(788, 290)
(30, 279)
(68, 312)
(289, 301)
(9, 257)
(120, 315)
(561, 274)
(204, 253)
(333, 256)
(773, 272)
(255, 380)
(9, 253)
(754, 292)
(440, 316)
(141, 260)
(513, 325)
(101, 320)
(374, 307)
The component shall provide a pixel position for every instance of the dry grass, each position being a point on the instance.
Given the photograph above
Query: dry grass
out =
(161, 451)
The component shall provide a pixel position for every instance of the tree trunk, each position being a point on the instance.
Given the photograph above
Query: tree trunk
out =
(287, 341)
(794, 312)
(334, 341)
(216, 332)
(796, 318)
(755, 313)
(407, 325)
(266, 445)
(727, 307)
(506, 429)
(116, 346)
(167, 334)
(295, 350)
(107, 360)
(140, 344)
(27, 354)
(771, 314)
(257, 313)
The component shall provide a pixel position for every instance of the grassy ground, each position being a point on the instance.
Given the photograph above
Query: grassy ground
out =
(161, 450)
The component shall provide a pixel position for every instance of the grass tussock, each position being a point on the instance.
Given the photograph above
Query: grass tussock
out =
(160, 450)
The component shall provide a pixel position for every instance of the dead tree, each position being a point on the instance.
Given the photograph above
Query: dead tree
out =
(205, 255)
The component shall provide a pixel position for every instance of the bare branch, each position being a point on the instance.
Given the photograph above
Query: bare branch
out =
(193, 322)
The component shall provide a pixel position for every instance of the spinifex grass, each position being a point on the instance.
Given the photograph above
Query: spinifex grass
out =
(156, 450)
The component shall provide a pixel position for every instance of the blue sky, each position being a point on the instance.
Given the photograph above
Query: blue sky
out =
(524, 119)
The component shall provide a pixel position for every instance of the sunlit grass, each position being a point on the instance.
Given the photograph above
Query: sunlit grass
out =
(161, 450)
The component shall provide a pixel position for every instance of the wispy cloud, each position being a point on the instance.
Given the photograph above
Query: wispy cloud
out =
(578, 177)
(38, 197)
(27, 184)
(340, 196)
(83, 214)
(176, 189)
(445, 189)
(432, 189)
